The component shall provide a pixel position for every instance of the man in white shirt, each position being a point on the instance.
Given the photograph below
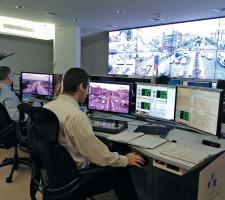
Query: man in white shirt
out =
(77, 136)
(7, 97)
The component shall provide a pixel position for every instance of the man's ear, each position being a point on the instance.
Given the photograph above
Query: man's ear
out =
(81, 87)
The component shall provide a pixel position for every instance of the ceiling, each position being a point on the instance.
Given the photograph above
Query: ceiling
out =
(100, 15)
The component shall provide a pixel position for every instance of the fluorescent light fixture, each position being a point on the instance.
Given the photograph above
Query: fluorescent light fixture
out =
(24, 28)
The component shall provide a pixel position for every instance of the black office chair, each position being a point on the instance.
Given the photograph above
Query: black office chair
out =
(8, 139)
(54, 172)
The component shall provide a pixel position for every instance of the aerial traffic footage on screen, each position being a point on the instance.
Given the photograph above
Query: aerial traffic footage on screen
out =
(109, 97)
(189, 50)
(37, 84)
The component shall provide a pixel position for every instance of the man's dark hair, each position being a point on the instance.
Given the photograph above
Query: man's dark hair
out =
(73, 78)
(4, 72)
(162, 80)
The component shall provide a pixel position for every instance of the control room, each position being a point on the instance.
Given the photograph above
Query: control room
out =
(112, 100)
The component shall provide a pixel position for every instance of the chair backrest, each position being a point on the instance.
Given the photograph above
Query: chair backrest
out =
(7, 128)
(61, 177)
(5, 120)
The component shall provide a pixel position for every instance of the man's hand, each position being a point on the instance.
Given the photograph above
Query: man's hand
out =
(134, 159)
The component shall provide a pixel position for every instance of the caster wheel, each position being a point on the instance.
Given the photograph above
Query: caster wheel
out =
(8, 180)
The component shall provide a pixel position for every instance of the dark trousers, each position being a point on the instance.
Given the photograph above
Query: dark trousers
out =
(104, 179)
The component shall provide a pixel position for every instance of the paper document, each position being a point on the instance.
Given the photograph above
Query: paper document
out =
(184, 153)
(147, 141)
(125, 136)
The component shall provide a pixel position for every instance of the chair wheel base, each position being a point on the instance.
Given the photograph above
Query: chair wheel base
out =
(8, 180)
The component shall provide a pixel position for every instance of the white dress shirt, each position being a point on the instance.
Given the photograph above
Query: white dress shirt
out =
(78, 138)
(10, 101)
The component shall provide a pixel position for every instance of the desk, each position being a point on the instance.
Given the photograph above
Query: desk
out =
(158, 184)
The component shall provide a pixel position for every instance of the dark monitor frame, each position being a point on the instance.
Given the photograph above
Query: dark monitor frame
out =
(116, 83)
(153, 117)
(101, 78)
(21, 89)
(219, 121)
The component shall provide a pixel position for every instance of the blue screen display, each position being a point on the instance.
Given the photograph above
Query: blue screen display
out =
(200, 84)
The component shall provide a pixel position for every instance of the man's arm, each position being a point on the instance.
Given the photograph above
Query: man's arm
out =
(11, 102)
(92, 148)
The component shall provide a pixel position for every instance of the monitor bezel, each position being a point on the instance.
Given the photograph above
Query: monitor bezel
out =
(116, 83)
(153, 117)
(21, 79)
(219, 120)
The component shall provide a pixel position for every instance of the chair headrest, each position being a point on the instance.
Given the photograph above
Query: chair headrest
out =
(27, 108)
(42, 123)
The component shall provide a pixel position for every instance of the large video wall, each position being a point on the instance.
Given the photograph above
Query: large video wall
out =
(189, 50)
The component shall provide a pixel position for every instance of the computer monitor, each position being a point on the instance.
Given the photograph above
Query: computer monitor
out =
(110, 97)
(175, 82)
(155, 101)
(200, 84)
(199, 108)
(37, 84)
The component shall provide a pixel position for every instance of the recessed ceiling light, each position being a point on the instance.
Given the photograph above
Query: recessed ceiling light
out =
(19, 7)
(157, 17)
(76, 19)
(120, 11)
(50, 14)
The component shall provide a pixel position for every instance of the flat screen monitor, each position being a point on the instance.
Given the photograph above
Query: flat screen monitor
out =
(143, 80)
(175, 82)
(110, 97)
(37, 84)
(200, 84)
(155, 101)
(199, 108)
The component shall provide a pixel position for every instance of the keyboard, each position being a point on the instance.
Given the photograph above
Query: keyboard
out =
(161, 130)
(108, 125)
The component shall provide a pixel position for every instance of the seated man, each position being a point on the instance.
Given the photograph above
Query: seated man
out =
(162, 80)
(77, 136)
(7, 97)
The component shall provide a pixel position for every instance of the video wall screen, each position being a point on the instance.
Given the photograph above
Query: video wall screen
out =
(190, 50)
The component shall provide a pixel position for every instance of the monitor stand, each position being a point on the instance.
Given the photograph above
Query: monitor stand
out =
(108, 125)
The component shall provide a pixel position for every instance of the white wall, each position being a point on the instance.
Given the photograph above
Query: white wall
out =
(94, 54)
(31, 55)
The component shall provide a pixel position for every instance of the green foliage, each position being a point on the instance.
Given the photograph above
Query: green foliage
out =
(4, 55)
